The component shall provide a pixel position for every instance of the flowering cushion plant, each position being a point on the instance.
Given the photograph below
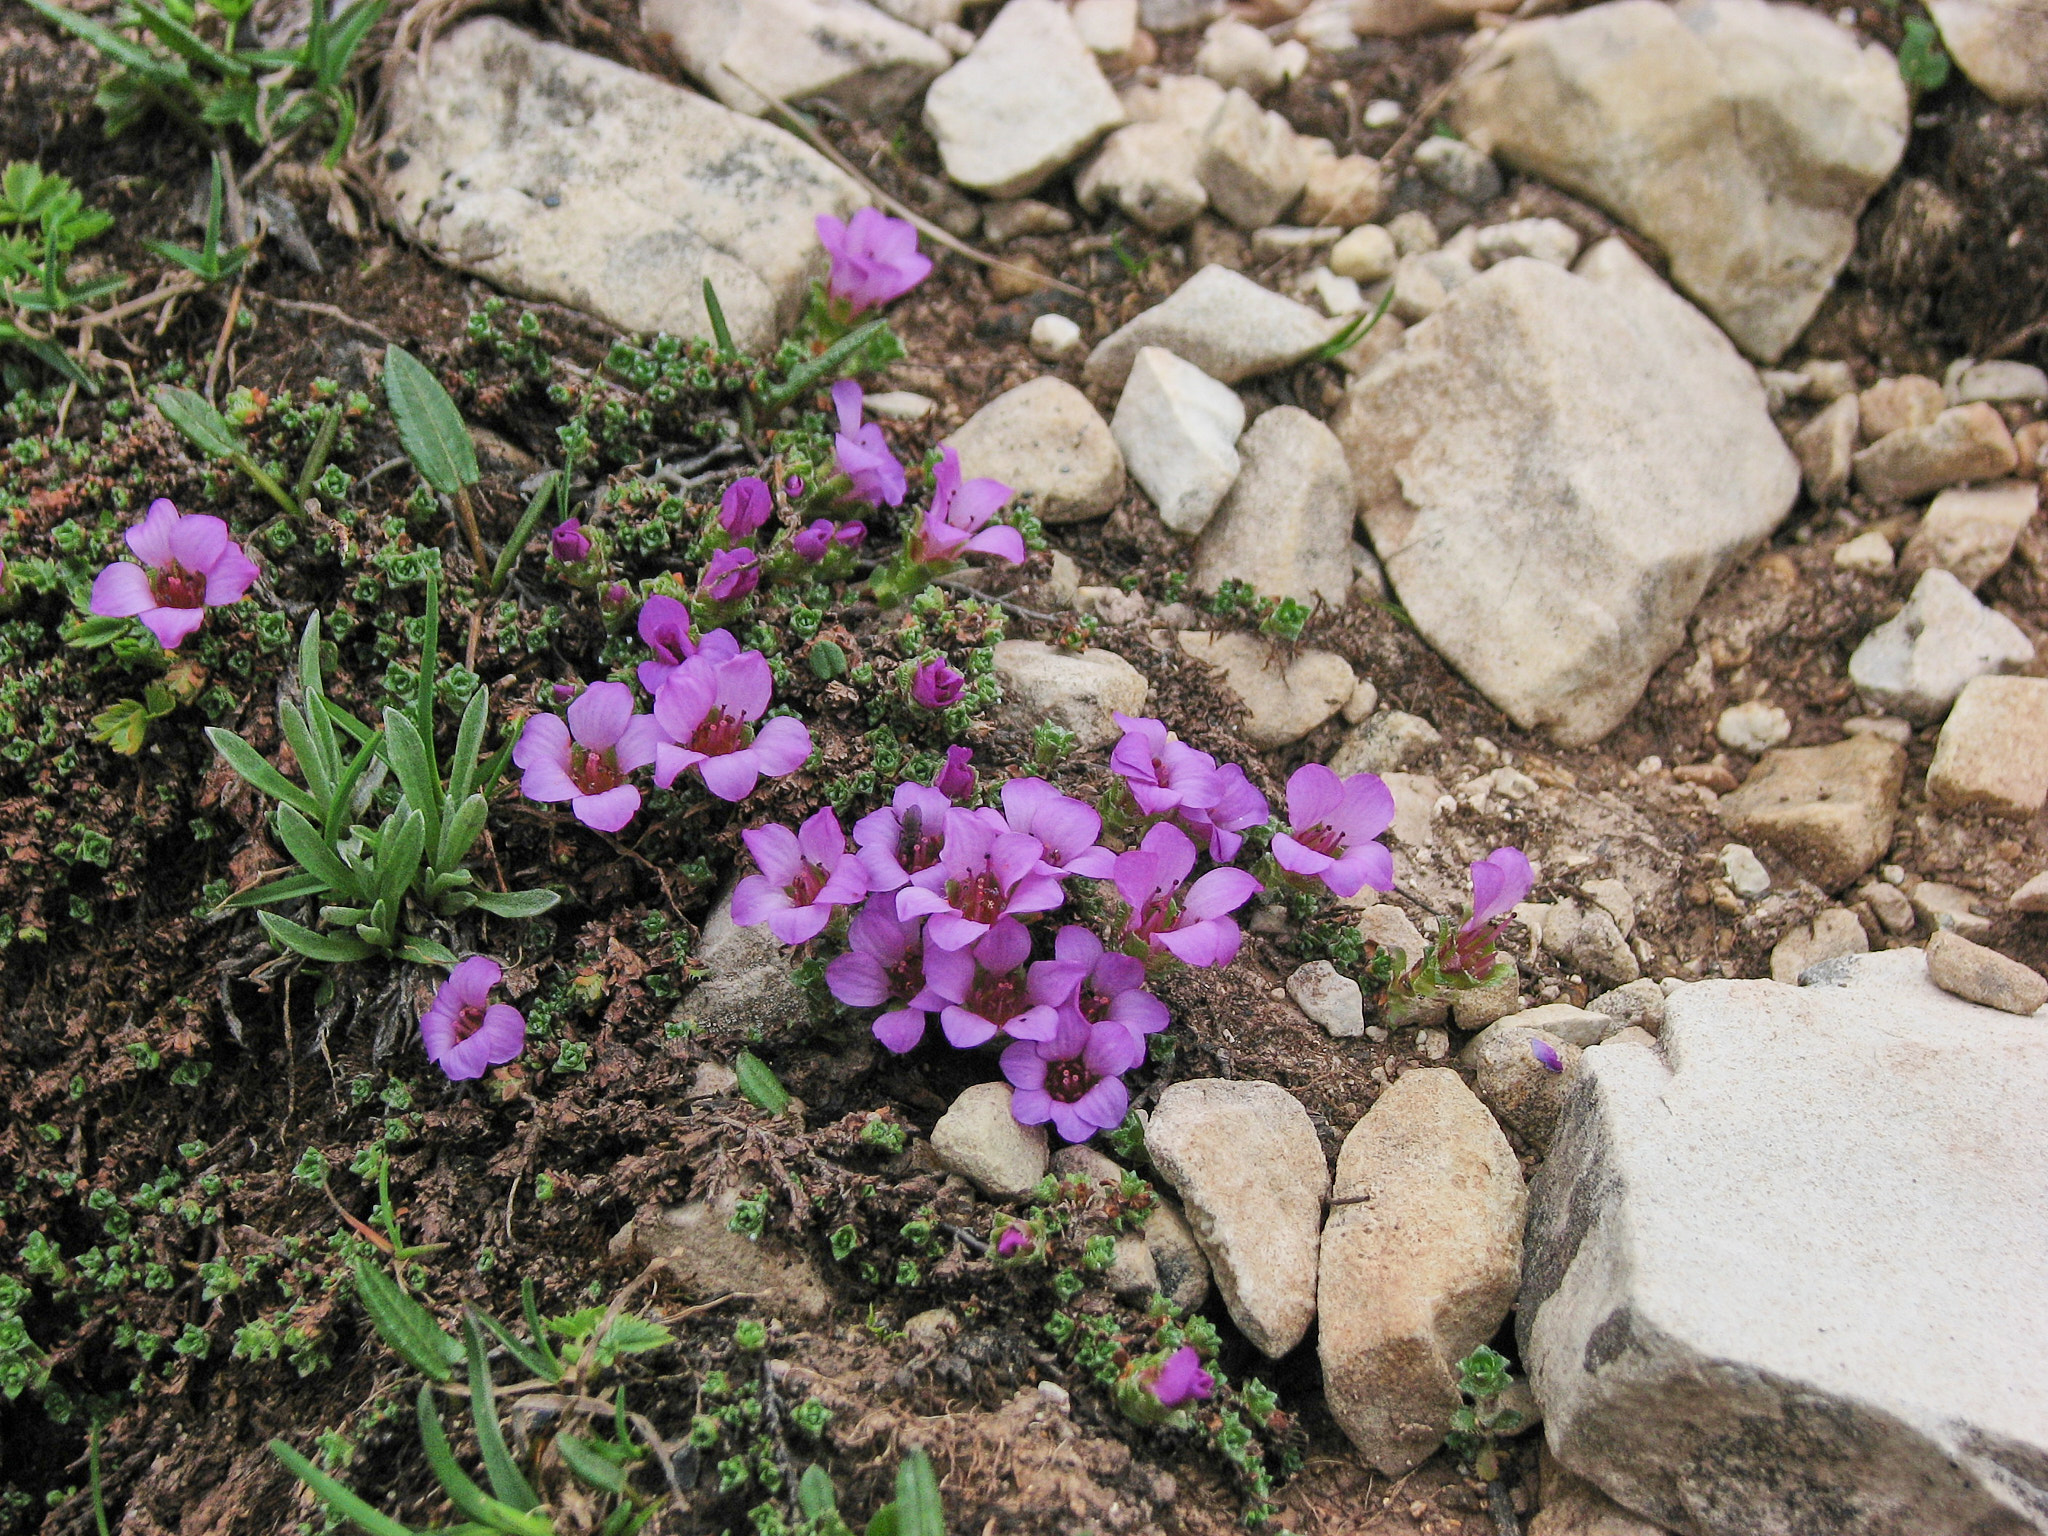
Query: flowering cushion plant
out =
(189, 564)
(463, 1032)
(587, 758)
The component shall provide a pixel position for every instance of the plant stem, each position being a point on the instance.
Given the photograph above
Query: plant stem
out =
(508, 557)
(247, 464)
(467, 514)
(316, 457)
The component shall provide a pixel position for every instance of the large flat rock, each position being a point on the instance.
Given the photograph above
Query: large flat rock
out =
(1783, 1270)
(1554, 467)
(844, 51)
(563, 176)
(1743, 137)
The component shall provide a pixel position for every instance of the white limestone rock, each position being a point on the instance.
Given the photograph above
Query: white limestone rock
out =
(1743, 137)
(565, 177)
(1178, 430)
(846, 52)
(1726, 1221)
(1553, 469)
(1077, 692)
(2002, 45)
(1047, 442)
(1285, 526)
(1150, 171)
(1284, 699)
(1914, 665)
(1221, 321)
(1252, 163)
(1026, 103)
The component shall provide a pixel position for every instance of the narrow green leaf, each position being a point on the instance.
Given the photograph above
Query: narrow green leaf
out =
(408, 758)
(291, 888)
(428, 952)
(313, 687)
(132, 55)
(469, 743)
(350, 28)
(204, 427)
(919, 1511)
(51, 356)
(529, 520)
(430, 428)
(315, 855)
(496, 769)
(182, 40)
(589, 1464)
(462, 1491)
(336, 715)
(806, 375)
(335, 1495)
(332, 948)
(250, 764)
(430, 670)
(459, 833)
(720, 332)
(885, 1521)
(507, 1481)
(534, 1363)
(531, 1308)
(405, 1325)
(312, 761)
(339, 808)
(759, 1086)
(1353, 331)
(398, 862)
(517, 905)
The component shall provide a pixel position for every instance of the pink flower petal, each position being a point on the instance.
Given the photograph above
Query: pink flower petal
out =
(172, 625)
(198, 541)
(121, 591)
(151, 538)
(610, 811)
(599, 715)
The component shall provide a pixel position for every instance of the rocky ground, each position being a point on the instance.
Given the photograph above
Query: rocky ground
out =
(1676, 522)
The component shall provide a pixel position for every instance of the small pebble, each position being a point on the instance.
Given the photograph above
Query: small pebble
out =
(1383, 113)
(1054, 337)
(1754, 728)
(1744, 871)
(899, 405)
(1868, 554)
(1435, 1044)
(1984, 976)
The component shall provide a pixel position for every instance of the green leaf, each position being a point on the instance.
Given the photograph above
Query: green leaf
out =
(423, 700)
(123, 725)
(589, 1464)
(335, 1495)
(332, 948)
(428, 952)
(339, 808)
(408, 758)
(626, 1334)
(1352, 331)
(430, 428)
(315, 855)
(919, 1511)
(720, 332)
(204, 427)
(469, 743)
(815, 1495)
(529, 520)
(516, 905)
(186, 43)
(459, 833)
(507, 1481)
(759, 1086)
(51, 356)
(805, 375)
(350, 28)
(291, 888)
(462, 1492)
(313, 762)
(535, 1362)
(885, 1522)
(249, 763)
(405, 1325)
(399, 860)
(531, 1309)
(153, 67)
(1922, 63)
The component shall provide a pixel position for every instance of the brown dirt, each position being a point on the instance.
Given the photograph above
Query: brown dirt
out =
(129, 975)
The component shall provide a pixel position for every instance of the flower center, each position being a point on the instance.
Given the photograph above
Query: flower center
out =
(720, 734)
(998, 999)
(915, 847)
(468, 1022)
(906, 976)
(1156, 915)
(980, 899)
(1094, 1005)
(594, 770)
(1322, 838)
(810, 880)
(175, 587)
(1067, 1081)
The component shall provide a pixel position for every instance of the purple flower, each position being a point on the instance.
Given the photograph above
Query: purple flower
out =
(461, 1034)
(1181, 1379)
(731, 575)
(189, 564)
(863, 452)
(665, 626)
(1163, 773)
(1014, 1240)
(793, 487)
(903, 837)
(615, 599)
(884, 963)
(586, 760)
(955, 779)
(746, 507)
(1074, 1079)
(1334, 823)
(1500, 881)
(814, 543)
(569, 544)
(707, 709)
(1102, 985)
(985, 872)
(1239, 806)
(983, 990)
(937, 685)
(1194, 926)
(1546, 1055)
(804, 875)
(874, 258)
(1067, 827)
(957, 522)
